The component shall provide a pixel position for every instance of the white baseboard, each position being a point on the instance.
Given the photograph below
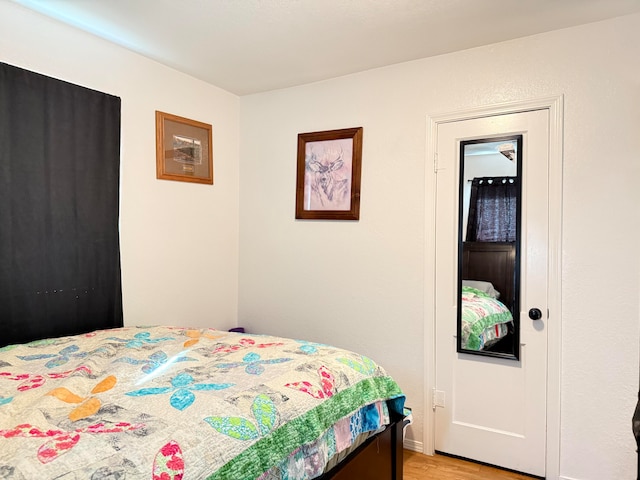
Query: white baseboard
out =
(416, 446)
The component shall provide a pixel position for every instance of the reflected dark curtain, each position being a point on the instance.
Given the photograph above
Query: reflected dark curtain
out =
(492, 209)
(59, 202)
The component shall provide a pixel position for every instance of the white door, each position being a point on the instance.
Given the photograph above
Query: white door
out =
(490, 409)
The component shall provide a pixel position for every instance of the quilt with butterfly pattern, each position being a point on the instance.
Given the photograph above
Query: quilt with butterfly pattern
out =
(166, 403)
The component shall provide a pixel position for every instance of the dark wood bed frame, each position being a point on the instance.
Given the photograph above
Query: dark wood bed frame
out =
(378, 458)
(491, 262)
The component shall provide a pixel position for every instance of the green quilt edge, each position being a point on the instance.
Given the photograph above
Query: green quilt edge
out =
(490, 321)
(271, 449)
(473, 342)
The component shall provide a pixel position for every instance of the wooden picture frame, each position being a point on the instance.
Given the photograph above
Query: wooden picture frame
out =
(184, 149)
(328, 175)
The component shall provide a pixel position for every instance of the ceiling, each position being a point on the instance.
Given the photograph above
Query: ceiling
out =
(250, 46)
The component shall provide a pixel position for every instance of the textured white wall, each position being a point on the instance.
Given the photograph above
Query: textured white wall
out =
(179, 241)
(360, 284)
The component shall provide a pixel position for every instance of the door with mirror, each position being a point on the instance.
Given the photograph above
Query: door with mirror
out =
(491, 268)
(488, 246)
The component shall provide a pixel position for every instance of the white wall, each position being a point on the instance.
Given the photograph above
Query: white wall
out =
(179, 241)
(361, 284)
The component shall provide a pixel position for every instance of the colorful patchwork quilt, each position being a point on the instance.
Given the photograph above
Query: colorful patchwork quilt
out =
(167, 403)
(485, 319)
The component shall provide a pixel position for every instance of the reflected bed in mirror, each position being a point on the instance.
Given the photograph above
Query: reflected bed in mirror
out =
(489, 247)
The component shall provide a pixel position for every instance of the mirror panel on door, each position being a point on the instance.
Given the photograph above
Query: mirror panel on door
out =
(489, 247)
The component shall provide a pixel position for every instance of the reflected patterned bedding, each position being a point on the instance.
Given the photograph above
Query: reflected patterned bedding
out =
(485, 319)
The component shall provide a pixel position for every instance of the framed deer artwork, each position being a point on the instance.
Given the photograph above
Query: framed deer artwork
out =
(328, 179)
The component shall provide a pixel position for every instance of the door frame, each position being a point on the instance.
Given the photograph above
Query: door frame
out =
(554, 105)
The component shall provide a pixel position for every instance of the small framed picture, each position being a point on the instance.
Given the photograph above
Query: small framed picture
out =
(328, 175)
(184, 149)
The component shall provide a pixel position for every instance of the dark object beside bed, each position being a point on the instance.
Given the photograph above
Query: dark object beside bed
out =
(635, 423)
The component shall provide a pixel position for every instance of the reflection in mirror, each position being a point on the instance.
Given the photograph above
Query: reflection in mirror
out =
(489, 247)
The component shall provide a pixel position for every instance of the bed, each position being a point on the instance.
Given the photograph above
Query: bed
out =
(487, 294)
(485, 319)
(167, 403)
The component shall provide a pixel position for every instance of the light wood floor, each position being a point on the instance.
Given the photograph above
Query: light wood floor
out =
(425, 467)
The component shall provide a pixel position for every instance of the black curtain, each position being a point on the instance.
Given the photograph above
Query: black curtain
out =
(492, 209)
(59, 202)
